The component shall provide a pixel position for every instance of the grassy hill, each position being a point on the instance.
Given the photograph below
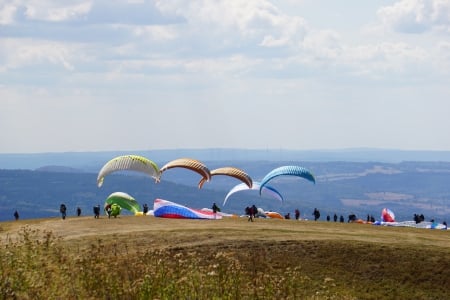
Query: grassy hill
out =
(152, 258)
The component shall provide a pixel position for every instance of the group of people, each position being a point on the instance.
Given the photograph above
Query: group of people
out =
(63, 211)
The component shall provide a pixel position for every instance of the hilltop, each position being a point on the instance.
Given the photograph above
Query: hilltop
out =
(147, 258)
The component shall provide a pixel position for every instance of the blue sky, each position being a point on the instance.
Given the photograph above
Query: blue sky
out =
(290, 74)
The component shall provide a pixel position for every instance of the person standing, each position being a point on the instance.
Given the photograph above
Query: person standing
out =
(63, 210)
(316, 214)
(297, 214)
(16, 215)
(97, 211)
(78, 211)
(215, 209)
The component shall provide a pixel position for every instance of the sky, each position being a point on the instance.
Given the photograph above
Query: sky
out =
(104, 75)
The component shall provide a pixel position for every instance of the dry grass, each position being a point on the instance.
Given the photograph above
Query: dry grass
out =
(152, 258)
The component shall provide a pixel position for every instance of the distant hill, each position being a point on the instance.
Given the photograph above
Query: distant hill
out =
(342, 188)
(92, 161)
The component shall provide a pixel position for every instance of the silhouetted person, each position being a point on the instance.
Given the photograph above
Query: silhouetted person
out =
(328, 218)
(297, 214)
(215, 209)
(254, 211)
(341, 219)
(97, 211)
(316, 214)
(287, 216)
(145, 208)
(63, 211)
(335, 217)
(351, 218)
(16, 215)
(78, 211)
(248, 212)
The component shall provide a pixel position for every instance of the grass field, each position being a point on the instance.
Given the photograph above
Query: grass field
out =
(152, 258)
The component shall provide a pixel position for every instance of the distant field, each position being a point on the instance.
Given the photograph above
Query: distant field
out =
(228, 259)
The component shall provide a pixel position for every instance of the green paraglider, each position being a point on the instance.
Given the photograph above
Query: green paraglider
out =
(123, 201)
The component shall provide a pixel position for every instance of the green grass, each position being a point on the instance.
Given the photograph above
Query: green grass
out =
(245, 263)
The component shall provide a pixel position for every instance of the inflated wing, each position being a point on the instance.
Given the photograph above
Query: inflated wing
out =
(230, 171)
(256, 185)
(123, 200)
(387, 215)
(167, 209)
(130, 163)
(287, 170)
(191, 164)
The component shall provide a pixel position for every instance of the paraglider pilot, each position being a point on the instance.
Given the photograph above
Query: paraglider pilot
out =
(215, 209)
(108, 209)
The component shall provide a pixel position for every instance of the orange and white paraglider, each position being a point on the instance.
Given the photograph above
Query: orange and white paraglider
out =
(190, 164)
(230, 171)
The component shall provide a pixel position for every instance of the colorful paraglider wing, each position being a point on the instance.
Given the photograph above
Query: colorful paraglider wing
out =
(255, 186)
(287, 170)
(167, 209)
(387, 215)
(191, 164)
(131, 163)
(124, 200)
(230, 171)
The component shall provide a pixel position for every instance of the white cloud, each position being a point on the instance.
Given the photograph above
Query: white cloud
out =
(7, 13)
(20, 53)
(416, 16)
(55, 11)
(256, 23)
(142, 61)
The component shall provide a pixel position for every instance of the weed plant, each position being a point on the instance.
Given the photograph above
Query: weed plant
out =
(40, 265)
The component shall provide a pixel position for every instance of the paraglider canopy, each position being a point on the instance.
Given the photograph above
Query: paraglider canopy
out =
(255, 186)
(190, 164)
(387, 215)
(123, 200)
(287, 170)
(130, 163)
(232, 172)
